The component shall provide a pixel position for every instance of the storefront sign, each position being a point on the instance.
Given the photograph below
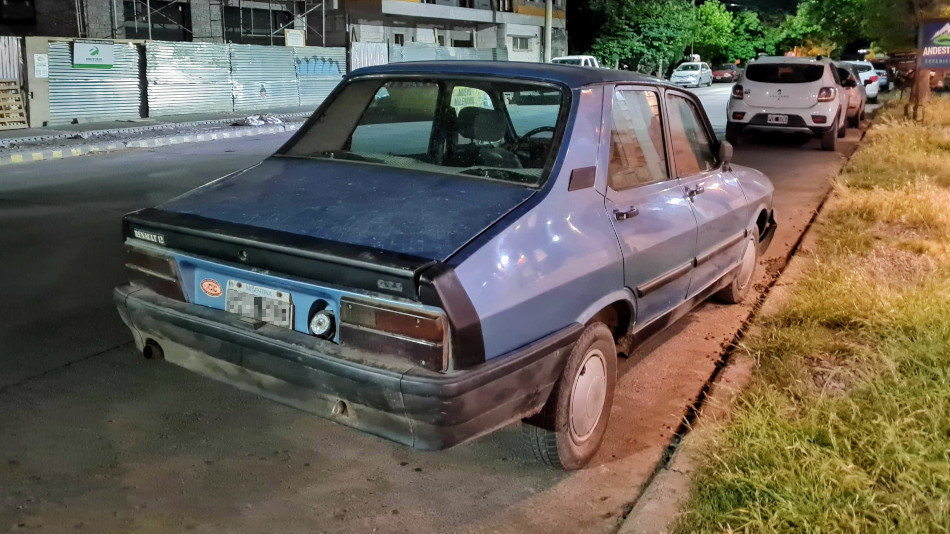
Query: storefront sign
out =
(93, 54)
(935, 44)
(41, 65)
(294, 38)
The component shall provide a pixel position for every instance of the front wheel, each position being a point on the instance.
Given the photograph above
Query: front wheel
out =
(571, 426)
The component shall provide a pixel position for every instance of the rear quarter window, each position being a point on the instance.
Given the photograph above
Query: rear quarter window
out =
(784, 73)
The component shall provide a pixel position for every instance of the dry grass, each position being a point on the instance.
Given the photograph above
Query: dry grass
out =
(846, 425)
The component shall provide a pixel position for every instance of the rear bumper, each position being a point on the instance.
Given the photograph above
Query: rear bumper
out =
(795, 125)
(383, 396)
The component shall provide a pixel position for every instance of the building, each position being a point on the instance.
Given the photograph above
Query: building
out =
(514, 25)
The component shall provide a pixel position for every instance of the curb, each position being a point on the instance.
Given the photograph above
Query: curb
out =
(46, 154)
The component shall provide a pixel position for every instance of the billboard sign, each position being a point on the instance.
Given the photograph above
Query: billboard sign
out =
(296, 38)
(93, 54)
(935, 44)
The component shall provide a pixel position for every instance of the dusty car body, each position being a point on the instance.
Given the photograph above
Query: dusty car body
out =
(433, 289)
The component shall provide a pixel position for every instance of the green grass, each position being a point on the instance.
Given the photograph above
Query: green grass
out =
(845, 426)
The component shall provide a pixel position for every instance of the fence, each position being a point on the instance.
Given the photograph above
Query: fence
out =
(94, 94)
(11, 59)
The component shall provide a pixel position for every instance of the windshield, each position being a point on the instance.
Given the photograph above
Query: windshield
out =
(784, 72)
(688, 66)
(862, 67)
(723, 67)
(567, 61)
(496, 130)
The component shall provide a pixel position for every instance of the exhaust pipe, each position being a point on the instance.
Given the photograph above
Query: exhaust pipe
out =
(152, 350)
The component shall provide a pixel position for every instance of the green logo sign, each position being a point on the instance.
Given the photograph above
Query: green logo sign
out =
(94, 51)
(942, 37)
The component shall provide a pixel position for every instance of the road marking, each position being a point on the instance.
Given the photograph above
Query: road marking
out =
(76, 151)
(37, 156)
(57, 154)
(16, 158)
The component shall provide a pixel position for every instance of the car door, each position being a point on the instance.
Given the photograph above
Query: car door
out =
(712, 192)
(707, 74)
(645, 202)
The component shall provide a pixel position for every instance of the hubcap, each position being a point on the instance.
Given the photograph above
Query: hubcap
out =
(588, 395)
(748, 264)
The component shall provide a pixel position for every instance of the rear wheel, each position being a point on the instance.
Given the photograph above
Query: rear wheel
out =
(733, 134)
(843, 129)
(829, 139)
(854, 122)
(569, 429)
(737, 290)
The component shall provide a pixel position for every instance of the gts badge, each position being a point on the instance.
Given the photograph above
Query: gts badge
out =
(388, 285)
(149, 236)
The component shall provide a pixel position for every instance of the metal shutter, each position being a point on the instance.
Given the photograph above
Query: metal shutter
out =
(263, 77)
(319, 70)
(187, 78)
(90, 94)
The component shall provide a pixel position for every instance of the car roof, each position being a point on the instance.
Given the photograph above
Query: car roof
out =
(570, 75)
(571, 57)
(691, 63)
(791, 59)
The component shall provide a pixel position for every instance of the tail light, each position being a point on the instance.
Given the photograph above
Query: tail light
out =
(738, 115)
(154, 271)
(819, 119)
(737, 92)
(874, 78)
(415, 334)
(827, 94)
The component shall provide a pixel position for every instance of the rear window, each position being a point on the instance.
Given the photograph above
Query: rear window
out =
(784, 73)
(572, 61)
(862, 68)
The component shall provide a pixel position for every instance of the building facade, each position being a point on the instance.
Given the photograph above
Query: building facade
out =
(514, 25)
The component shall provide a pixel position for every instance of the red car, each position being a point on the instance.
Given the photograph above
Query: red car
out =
(725, 73)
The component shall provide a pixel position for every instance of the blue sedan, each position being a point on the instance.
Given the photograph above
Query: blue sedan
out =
(444, 249)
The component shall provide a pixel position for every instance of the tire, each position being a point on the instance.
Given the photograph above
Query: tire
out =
(873, 100)
(854, 122)
(843, 129)
(863, 114)
(733, 134)
(561, 435)
(736, 291)
(829, 139)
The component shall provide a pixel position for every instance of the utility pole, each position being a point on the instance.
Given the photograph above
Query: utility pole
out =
(548, 16)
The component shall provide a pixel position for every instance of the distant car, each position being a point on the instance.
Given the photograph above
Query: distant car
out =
(725, 73)
(869, 78)
(580, 61)
(430, 266)
(882, 79)
(789, 94)
(854, 88)
(693, 73)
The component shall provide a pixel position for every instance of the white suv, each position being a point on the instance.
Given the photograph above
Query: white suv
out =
(789, 94)
(869, 78)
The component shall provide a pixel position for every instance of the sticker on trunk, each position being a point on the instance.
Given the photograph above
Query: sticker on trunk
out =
(211, 288)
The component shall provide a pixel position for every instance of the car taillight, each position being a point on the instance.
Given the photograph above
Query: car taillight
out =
(827, 94)
(737, 92)
(154, 271)
(415, 334)
(874, 78)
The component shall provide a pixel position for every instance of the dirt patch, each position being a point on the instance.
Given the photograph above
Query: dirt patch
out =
(831, 375)
(898, 267)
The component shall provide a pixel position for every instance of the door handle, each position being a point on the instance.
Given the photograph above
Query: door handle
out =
(623, 215)
(698, 190)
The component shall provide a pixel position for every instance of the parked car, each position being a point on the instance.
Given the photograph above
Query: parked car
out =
(854, 88)
(725, 73)
(869, 78)
(791, 95)
(693, 73)
(430, 266)
(580, 61)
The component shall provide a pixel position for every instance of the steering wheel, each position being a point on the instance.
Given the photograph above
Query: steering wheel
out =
(524, 138)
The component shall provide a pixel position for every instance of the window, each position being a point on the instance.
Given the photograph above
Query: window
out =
(691, 149)
(439, 125)
(784, 72)
(170, 21)
(636, 141)
(253, 25)
(399, 39)
(521, 43)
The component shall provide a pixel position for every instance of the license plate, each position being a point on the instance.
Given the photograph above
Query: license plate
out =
(261, 303)
(778, 119)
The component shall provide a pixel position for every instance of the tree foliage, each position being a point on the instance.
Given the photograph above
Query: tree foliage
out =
(647, 35)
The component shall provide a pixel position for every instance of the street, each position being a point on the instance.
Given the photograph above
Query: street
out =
(94, 437)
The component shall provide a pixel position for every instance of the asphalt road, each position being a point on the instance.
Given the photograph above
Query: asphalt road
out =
(93, 437)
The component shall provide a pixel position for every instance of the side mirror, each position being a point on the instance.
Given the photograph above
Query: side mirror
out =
(725, 153)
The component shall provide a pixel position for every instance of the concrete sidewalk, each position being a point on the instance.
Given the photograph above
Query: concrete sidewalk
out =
(56, 142)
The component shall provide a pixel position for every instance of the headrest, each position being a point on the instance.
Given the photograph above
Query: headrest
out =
(481, 124)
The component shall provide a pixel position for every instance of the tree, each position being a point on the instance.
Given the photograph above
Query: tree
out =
(713, 32)
(648, 35)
